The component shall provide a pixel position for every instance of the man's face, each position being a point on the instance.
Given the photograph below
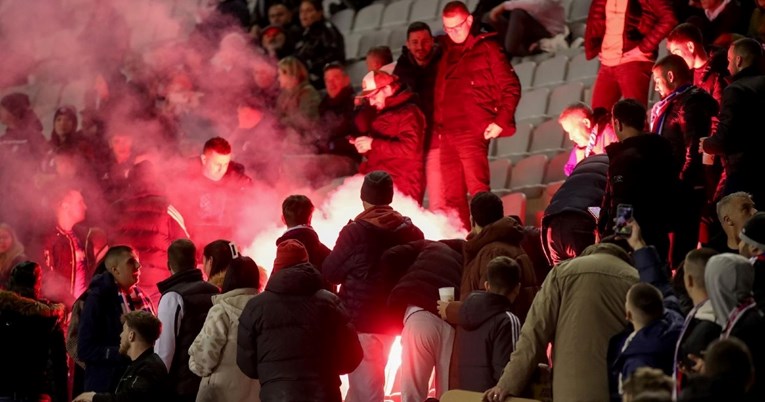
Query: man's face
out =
(274, 40)
(733, 68)
(664, 85)
(122, 147)
(74, 206)
(420, 44)
(739, 211)
(264, 75)
(127, 270)
(63, 125)
(335, 80)
(577, 128)
(279, 15)
(215, 165)
(308, 14)
(457, 26)
(374, 63)
(710, 4)
(377, 99)
(6, 240)
(682, 49)
(125, 339)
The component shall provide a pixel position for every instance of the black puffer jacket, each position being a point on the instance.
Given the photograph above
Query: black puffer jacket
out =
(424, 266)
(145, 380)
(296, 339)
(337, 124)
(584, 188)
(354, 263)
(422, 81)
(321, 44)
(475, 86)
(31, 348)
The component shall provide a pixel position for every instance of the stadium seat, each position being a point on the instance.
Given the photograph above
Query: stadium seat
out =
(357, 71)
(525, 72)
(579, 10)
(516, 146)
(514, 204)
(423, 10)
(48, 95)
(563, 96)
(663, 49)
(396, 14)
(547, 138)
(533, 104)
(368, 18)
(352, 45)
(397, 39)
(554, 171)
(587, 98)
(527, 176)
(370, 40)
(577, 30)
(471, 5)
(542, 204)
(343, 20)
(499, 173)
(74, 92)
(581, 69)
(551, 71)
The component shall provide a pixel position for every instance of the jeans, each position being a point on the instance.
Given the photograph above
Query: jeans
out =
(367, 382)
(465, 166)
(520, 31)
(426, 343)
(628, 80)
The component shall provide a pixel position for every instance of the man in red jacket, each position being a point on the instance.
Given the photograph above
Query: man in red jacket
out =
(477, 92)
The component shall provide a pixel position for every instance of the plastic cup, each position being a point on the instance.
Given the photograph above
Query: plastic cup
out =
(446, 294)
(706, 159)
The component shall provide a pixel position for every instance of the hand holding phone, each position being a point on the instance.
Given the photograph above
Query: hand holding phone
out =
(623, 218)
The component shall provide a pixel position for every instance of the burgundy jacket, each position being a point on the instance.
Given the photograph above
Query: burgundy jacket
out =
(647, 23)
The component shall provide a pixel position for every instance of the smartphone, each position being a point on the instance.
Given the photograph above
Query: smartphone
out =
(623, 217)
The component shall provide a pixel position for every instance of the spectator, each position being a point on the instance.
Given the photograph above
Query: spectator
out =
(709, 70)
(321, 43)
(354, 264)
(626, 40)
(217, 257)
(380, 58)
(298, 102)
(336, 111)
(493, 235)
(147, 221)
(265, 76)
(417, 68)
(522, 24)
(589, 130)
(742, 100)
(262, 15)
(213, 355)
(280, 15)
(11, 253)
(122, 157)
(476, 94)
(395, 143)
(645, 380)
(32, 340)
(719, 20)
(733, 211)
(296, 337)
(254, 140)
(23, 133)
(65, 135)
(275, 42)
(684, 116)
(700, 327)
(146, 377)
(186, 300)
(641, 173)
(757, 22)
(580, 345)
(752, 246)
(649, 342)
(569, 223)
(728, 374)
(420, 269)
(109, 296)
(488, 329)
(297, 213)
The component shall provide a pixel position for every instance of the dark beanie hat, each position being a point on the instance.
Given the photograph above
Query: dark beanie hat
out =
(25, 277)
(486, 208)
(753, 232)
(377, 188)
(68, 111)
(289, 253)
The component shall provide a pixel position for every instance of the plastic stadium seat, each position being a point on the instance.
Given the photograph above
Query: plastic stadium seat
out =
(588, 95)
(533, 104)
(515, 147)
(396, 13)
(352, 45)
(372, 39)
(581, 69)
(368, 18)
(499, 173)
(357, 71)
(74, 93)
(554, 171)
(514, 204)
(397, 39)
(547, 138)
(343, 20)
(577, 30)
(424, 10)
(547, 195)
(663, 49)
(551, 71)
(563, 96)
(579, 10)
(472, 4)
(525, 72)
(528, 174)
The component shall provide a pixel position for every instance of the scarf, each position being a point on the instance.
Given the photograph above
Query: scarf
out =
(658, 114)
(135, 299)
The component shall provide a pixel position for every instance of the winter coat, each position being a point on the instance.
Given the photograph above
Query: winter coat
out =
(307, 236)
(60, 265)
(579, 308)
(583, 189)
(488, 332)
(501, 238)
(212, 356)
(296, 339)
(354, 263)
(475, 86)
(729, 21)
(298, 108)
(652, 346)
(99, 335)
(321, 44)
(421, 268)
(145, 380)
(422, 81)
(32, 348)
(686, 119)
(337, 124)
(398, 132)
(646, 24)
(698, 332)
(713, 76)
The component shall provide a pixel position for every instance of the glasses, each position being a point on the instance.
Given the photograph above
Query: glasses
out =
(457, 27)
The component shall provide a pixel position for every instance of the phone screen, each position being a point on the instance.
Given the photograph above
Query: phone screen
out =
(623, 217)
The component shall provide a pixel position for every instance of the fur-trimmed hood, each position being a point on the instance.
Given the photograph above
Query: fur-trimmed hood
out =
(11, 301)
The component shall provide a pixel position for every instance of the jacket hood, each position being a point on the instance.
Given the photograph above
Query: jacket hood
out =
(706, 312)
(480, 307)
(301, 279)
(506, 230)
(10, 301)
(234, 301)
(729, 278)
(384, 217)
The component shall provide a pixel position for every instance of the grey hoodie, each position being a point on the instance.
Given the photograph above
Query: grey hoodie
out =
(729, 279)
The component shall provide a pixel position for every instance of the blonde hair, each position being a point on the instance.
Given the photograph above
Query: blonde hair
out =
(16, 249)
(293, 67)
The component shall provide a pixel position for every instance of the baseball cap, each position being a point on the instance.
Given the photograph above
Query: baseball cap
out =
(376, 80)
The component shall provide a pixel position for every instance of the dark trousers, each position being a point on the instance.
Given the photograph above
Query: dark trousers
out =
(464, 169)
(520, 31)
(566, 235)
(686, 234)
(628, 80)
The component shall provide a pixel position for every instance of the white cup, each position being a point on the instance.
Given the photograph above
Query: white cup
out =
(446, 294)
(706, 159)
